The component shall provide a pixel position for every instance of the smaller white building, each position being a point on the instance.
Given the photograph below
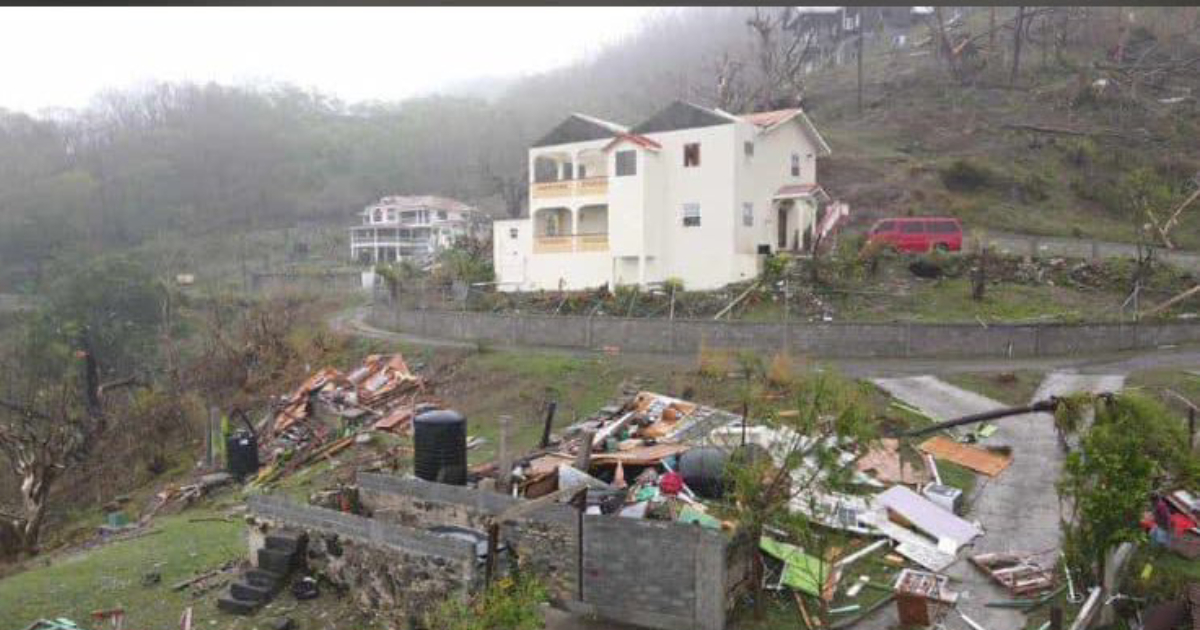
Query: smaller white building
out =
(412, 228)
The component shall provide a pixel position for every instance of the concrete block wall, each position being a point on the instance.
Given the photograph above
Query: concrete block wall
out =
(887, 340)
(652, 573)
(391, 570)
(546, 541)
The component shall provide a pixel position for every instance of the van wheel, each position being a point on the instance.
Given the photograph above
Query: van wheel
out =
(941, 248)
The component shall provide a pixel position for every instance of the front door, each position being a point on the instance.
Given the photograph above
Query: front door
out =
(783, 227)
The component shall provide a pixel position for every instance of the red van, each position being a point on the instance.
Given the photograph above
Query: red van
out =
(919, 234)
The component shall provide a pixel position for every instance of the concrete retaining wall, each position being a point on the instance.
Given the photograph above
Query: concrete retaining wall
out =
(389, 569)
(659, 336)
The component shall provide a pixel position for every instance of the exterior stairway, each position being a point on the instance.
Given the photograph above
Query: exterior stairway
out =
(282, 554)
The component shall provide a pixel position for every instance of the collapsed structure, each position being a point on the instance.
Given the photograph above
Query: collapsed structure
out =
(625, 514)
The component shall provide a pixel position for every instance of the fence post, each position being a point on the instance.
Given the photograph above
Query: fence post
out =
(1033, 247)
(1095, 250)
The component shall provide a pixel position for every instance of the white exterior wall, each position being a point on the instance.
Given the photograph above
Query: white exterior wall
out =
(647, 241)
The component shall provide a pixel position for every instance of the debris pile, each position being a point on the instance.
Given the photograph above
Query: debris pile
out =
(330, 410)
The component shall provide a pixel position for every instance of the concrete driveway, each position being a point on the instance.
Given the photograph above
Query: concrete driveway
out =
(1019, 508)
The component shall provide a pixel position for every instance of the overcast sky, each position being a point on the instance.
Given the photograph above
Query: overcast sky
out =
(61, 56)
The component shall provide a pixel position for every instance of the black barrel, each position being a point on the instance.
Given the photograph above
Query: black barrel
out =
(440, 447)
(703, 470)
(241, 454)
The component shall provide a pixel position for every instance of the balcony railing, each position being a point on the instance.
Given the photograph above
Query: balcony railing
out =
(570, 243)
(587, 187)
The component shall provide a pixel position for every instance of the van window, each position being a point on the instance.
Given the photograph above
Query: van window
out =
(886, 226)
(943, 227)
(912, 227)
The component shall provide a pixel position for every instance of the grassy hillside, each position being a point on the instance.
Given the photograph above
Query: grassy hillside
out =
(926, 143)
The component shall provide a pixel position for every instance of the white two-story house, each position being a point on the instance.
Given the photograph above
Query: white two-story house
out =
(412, 228)
(691, 193)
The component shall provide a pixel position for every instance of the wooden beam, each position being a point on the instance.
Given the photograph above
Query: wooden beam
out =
(1172, 302)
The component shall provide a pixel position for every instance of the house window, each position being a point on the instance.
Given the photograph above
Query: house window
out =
(441, 215)
(795, 165)
(626, 163)
(568, 170)
(582, 171)
(512, 232)
(748, 149)
(748, 214)
(391, 216)
(691, 215)
(378, 215)
(691, 154)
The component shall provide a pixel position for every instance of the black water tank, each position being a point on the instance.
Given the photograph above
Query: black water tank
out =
(440, 445)
(241, 454)
(703, 470)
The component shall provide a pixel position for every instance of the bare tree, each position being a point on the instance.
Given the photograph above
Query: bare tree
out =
(1018, 28)
(50, 418)
(784, 42)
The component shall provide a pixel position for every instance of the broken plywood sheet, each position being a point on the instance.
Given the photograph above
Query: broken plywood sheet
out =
(913, 547)
(981, 460)
(928, 516)
(885, 463)
(640, 455)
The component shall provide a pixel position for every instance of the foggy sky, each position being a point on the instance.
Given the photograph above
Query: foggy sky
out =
(53, 57)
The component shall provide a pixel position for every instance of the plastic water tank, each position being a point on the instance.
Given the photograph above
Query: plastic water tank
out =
(440, 447)
(703, 470)
(241, 454)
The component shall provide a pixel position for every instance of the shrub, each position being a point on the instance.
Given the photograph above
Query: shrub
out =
(782, 371)
(712, 362)
(965, 176)
(511, 603)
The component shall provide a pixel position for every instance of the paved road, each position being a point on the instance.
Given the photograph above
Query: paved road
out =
(354, 323)
(1085, 248)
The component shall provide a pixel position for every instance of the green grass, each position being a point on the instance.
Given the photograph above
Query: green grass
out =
(75, 584)
(1159, 382)
(1011, 388)
(949, 300)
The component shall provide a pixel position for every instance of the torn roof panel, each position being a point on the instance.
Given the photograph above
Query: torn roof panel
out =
(927, 516)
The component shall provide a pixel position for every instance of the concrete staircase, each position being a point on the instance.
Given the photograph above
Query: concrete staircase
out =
(277, 559)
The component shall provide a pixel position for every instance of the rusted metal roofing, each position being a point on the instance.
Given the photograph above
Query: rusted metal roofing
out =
(638, 139)
(801, 190)
(772, 118)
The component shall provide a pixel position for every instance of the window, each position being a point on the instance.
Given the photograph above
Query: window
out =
(691, 215)
(912, 227)
(391, 216)
(378, 215)
(943, 227)
(748, 214)
(512, 232)
(568, 169)
(795, 165)
(748, 149)
(691, 154)
(886, 226)
(441, 215)
(626, 163)
(582, 171)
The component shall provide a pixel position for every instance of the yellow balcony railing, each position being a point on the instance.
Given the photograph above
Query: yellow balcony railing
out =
(587, 187)
(543, 190)
(591, 186)
(592, 243)
(553, 244)
(570, 244)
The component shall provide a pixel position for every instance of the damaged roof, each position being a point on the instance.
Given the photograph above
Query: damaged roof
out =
(580, 128)
(772, 120)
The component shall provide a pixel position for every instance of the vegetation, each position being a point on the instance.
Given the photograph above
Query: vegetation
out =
(1133, 447)
(511, 603)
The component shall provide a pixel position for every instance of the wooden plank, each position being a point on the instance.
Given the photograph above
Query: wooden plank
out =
(973, 457)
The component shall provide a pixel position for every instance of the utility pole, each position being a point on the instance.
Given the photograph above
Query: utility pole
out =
(858, 21)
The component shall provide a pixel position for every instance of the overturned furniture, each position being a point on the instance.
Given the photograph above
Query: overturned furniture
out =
(1014, 572)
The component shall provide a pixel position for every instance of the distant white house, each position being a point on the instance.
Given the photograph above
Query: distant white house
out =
(412, 228)
(692, 193)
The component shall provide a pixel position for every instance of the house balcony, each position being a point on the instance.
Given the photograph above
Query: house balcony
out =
(570, 243)
(570, 188)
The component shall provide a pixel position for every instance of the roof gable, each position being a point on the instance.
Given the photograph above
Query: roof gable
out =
(639, 140)
(770, 121)
(681, 115)
(579, 128)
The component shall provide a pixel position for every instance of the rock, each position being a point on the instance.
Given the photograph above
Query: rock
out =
(213, 480)
(281, 623)
(362, 438)
(151, 578)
